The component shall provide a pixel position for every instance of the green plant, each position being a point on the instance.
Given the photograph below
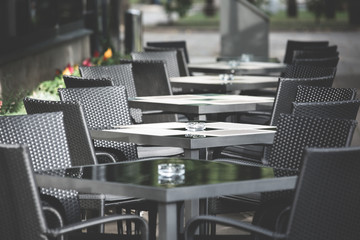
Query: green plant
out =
(179, 6)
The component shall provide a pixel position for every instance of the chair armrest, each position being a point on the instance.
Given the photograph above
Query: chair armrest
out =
(241, 162)
(193, 224)
(97, 221)
(108, 156)
(52, 216)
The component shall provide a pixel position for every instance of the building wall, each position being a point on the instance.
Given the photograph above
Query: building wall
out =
(25, 73)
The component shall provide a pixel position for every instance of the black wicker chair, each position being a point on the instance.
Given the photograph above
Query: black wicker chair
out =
(304, 71)
(45, 136)
(152, 73)
(326, 203)
(286, 94)
(121, 75)
(23, 216)
(304, 94)
(340, 109)
(169, 57)
(324, 94)
(293, 45)
(183, 69)
(171, 44)
(81, 82)
(106, 107)
(293, 134)
(318, 62)
(324, 52)
(82, 153)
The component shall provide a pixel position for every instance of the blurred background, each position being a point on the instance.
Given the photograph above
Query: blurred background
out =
(40, 39)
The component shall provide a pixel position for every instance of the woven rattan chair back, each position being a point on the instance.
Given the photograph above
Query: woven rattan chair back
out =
(325, 52)
(335, 173)
(45, 136)
(21, 213)
(183, 69)
(324, 94)
(150, 73)
(293, 45)
(286, 93)
(169, 57)
(121, 75)
(319, 62)
(81, 82)
(171, 44)
(78, 137)
(300, 71)
(295, 133)
(104, 107)
(339, 109)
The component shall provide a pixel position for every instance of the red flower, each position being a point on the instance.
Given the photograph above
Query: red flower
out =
(96, 53)
(71, 69)
(58, 72)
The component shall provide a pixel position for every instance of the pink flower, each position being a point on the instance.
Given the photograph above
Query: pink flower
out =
(87, 62)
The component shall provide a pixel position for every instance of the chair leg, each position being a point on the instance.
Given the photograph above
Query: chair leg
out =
(152, 223)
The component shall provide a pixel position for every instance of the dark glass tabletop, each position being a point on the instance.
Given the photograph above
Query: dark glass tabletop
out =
(147, 172)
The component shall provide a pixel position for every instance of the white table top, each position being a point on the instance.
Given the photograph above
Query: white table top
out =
(201, 103)
(214, 83)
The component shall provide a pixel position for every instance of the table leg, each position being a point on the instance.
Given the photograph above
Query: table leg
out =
(192, 153)
(167, 221)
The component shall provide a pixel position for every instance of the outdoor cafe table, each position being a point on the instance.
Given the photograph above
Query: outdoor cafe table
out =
(261, 68)
(175, 134)
(201, 104)
(213, 83)
(141, 179)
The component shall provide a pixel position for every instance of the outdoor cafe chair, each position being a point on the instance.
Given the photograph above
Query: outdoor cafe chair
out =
(305, 71)
(120, 75)
(183, 69)
(324, 94)
(171, 44)
(326, 201)
(169, 57)
(294, 133)
(304, 94)
(106, 107)
(23, 215)
(319, 62)
(82, 153)
(292, 45)
(151, 79)
(81, 82)
(45, 137)
(324, 52)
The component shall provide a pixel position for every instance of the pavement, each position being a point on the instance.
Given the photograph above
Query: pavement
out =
(205, 45)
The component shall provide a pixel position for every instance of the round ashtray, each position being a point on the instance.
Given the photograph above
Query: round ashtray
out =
(195, 126)
(226, 77)
(171, 169)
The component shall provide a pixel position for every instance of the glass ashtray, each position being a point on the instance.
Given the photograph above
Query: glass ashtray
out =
(173, 180)
(195, 126)
(226, 77)
(171, 169)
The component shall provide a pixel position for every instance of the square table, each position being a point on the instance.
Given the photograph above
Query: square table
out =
(202, 104)
(175, 134)
(141, 179)
(211, 83)
(234, 67)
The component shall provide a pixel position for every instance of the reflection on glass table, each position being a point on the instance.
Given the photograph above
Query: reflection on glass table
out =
(140, 179)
